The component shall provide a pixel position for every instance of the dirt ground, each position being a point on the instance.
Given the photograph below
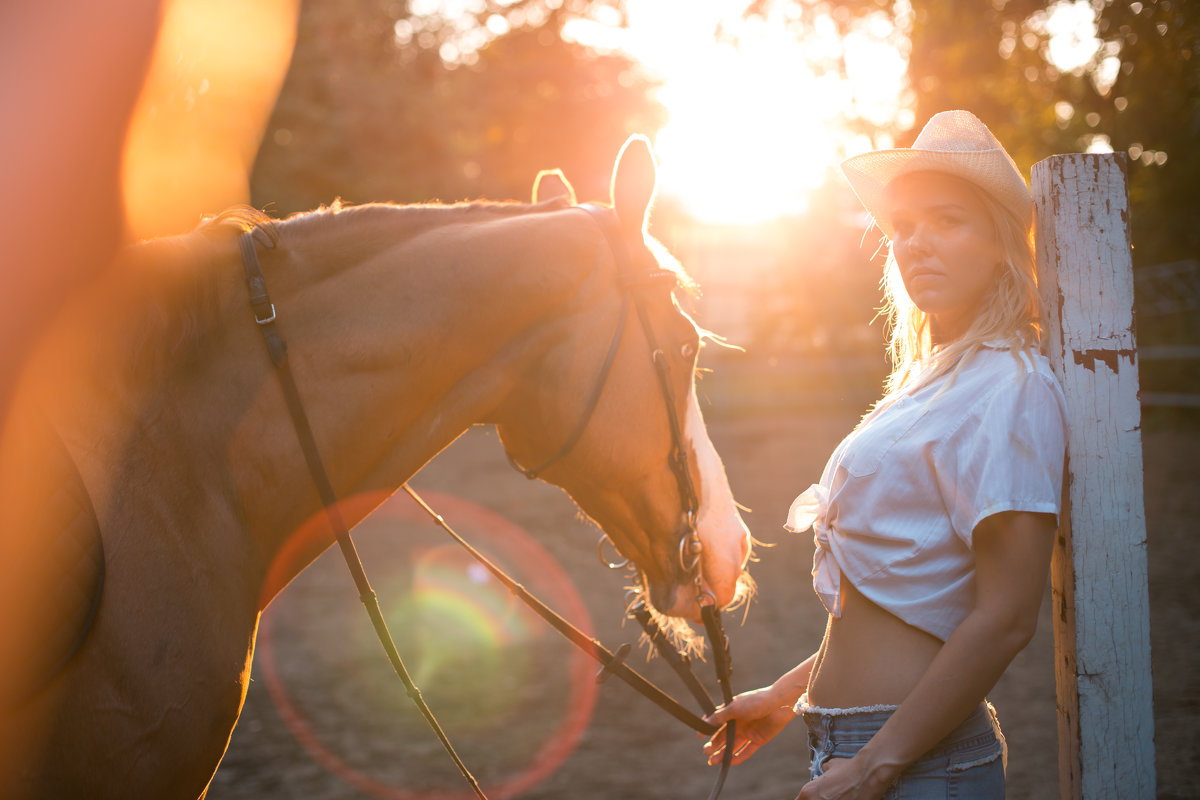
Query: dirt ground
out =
(326, 719)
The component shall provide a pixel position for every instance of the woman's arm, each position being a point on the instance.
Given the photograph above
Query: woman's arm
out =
(1012, 559)
(760, 714)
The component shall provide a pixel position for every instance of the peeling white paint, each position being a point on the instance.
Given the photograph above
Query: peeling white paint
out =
(1102, 613)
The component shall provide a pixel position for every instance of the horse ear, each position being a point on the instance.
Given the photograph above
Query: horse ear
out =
(551, 183)
(633, 182)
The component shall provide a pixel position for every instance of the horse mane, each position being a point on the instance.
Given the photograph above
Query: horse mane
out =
(407, 219)
(180, 279)
(422, 217)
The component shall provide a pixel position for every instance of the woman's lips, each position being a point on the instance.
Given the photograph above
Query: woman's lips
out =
(918, 274)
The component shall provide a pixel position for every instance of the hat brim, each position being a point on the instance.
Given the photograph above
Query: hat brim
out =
(869, 175)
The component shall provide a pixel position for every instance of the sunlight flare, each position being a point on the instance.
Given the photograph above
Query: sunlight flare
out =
(754, 108)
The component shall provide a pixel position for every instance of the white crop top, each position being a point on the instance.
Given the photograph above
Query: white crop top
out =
(901, 496)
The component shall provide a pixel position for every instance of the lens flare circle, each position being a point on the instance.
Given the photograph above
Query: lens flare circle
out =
(463, 615)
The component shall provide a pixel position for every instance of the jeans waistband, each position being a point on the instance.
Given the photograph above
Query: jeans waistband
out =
(804, 707)
(856, 726)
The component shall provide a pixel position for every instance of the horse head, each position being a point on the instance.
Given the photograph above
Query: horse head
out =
(627, 440)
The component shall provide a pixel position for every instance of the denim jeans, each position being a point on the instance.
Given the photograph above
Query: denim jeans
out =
(969, 763)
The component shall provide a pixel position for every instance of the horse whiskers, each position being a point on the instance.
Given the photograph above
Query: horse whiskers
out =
(680, 634)
(746, 590)
(678, 631)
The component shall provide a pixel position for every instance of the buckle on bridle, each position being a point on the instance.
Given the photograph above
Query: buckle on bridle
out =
(268, 320)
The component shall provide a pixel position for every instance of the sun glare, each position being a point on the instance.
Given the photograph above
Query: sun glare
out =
(752, 124)
(1071, 28)
(738, 146)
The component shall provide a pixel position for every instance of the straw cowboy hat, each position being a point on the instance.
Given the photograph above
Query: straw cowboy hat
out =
(954, 142)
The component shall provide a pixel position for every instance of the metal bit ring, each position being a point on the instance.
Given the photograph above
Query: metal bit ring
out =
(624, 562)
(690, 548)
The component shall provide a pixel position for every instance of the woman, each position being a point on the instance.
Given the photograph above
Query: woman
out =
(934, 520)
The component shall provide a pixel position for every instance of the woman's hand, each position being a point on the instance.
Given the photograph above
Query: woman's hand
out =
(846, 779)
(760, 715)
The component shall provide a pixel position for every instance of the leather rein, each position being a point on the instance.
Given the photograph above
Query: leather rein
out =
(690, 545)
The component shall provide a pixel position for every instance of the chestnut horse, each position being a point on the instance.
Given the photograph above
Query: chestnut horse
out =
(406, 325)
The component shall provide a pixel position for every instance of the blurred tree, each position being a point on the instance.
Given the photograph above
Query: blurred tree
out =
(382, 103)
(967, 55)
(1152, 112)
(1138, 92)
(537, 101)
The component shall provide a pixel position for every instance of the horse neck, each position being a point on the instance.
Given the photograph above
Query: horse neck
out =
(398, 345)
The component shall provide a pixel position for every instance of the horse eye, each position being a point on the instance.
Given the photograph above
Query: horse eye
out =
(688, 350)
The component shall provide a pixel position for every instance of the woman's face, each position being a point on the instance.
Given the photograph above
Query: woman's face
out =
(946, 248)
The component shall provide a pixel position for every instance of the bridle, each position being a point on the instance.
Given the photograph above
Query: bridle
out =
(690, 545)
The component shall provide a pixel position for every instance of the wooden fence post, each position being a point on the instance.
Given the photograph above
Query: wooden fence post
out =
(1101, 600)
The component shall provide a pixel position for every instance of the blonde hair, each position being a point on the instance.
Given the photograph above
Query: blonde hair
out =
(1012, 312)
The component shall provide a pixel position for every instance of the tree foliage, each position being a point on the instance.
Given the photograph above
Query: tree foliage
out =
(1140, 92)
(384, 104)
(1152, 112)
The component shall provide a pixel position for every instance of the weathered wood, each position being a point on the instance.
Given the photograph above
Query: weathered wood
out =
(1101, 600)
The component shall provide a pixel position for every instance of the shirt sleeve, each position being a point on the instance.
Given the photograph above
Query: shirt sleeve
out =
(1008, 454)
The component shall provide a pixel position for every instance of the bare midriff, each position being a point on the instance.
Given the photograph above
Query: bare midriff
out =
(868, 657)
